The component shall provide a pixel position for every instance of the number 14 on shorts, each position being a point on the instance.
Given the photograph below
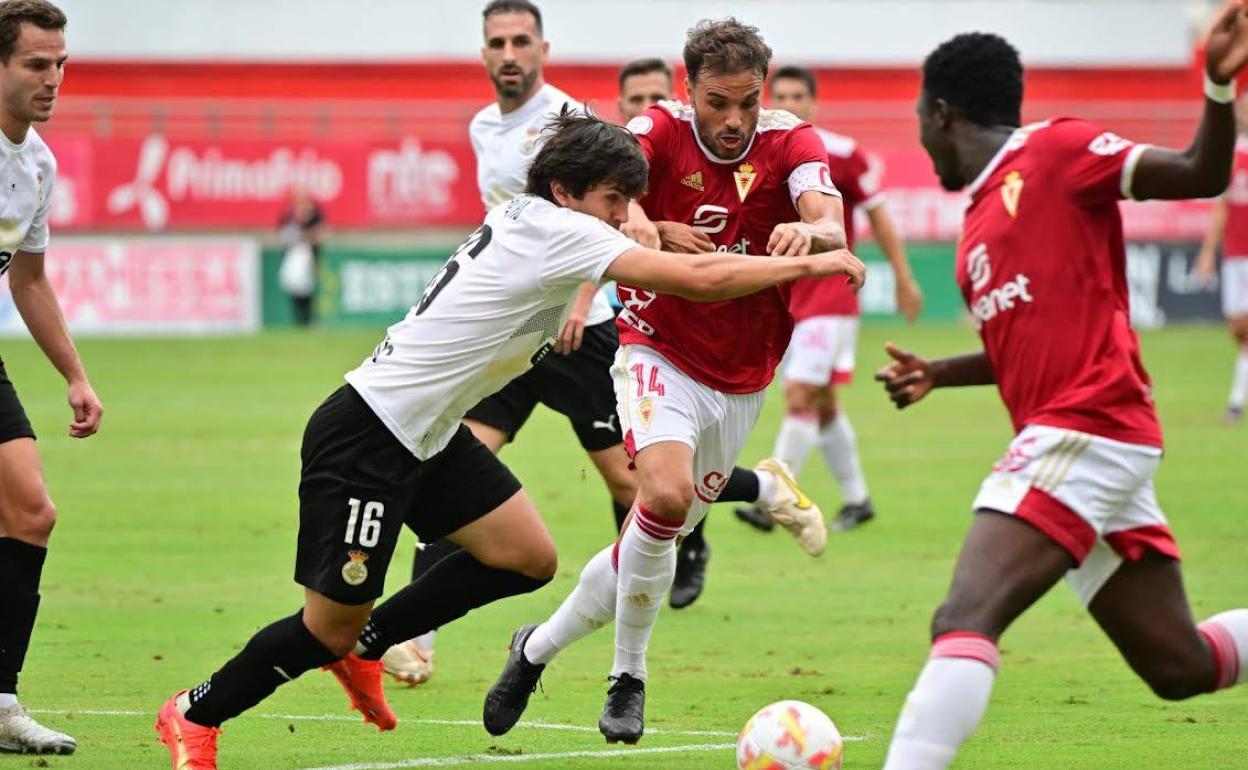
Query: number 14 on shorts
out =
(369, 522)
(653, 386)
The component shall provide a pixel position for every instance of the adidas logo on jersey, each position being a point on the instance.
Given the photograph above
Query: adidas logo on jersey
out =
(694, 180)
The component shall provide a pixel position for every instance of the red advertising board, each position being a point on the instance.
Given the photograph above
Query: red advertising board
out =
(165, 285)
(162, 184)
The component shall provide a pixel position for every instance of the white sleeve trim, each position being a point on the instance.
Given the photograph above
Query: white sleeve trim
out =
(812, 175)
(1128, 169)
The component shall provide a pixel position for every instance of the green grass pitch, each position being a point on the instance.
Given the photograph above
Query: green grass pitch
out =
(177, 533)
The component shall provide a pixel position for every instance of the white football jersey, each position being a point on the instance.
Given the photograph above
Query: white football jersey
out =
(27, 172)
(492, 311)
(505, 145)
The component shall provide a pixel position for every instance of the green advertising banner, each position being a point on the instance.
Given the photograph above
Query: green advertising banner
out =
(375, 286)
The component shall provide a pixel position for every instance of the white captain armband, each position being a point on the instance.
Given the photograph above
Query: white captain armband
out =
(814, 175)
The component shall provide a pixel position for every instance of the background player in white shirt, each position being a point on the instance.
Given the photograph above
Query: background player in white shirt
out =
(388, 448)
(32, 60)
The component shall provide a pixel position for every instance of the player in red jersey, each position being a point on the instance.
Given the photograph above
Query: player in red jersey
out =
(1042, 267)
(690, 381)
(1228, 227)
(821, 355)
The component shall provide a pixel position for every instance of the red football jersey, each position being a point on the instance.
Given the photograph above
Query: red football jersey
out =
(734, 345)
(1042, 267)
(857, 175)
(1235, 245)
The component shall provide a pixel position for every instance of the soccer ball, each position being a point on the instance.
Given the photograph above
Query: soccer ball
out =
(789, 735)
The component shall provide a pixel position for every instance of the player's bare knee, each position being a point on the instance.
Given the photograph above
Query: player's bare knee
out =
(669, 498)
(801, 396)
(1175, 680)
(958, 614)
(34, 522)
(339, 638)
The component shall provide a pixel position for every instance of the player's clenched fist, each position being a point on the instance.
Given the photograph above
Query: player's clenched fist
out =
(841, 262)
(790, 239)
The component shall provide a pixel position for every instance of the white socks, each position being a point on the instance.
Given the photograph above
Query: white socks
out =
(7, 700)
(427, 640)
(946, 704)
(798, 435)
(840, 451)
(1239, 384)
(589, 607)
(646, 566)
(1227, 634)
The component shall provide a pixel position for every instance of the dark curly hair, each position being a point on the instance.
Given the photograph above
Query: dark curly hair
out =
(980, 75)
(582, 151)
(725, 46)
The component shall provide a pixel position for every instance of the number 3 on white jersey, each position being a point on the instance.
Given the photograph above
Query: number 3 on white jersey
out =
(370, 527)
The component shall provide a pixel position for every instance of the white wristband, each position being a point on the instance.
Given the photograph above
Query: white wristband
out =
(1216, 92)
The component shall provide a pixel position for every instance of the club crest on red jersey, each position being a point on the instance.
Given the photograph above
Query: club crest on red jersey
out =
(744, 176)
(1011, 191)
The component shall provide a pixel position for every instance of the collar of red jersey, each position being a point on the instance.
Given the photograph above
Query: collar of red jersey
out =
(1013, 143)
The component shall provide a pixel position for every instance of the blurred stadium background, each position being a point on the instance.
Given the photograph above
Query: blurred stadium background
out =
(183, 125)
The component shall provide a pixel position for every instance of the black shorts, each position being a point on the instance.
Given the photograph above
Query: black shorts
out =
(577, 386)
(359, 486)
(13, 420)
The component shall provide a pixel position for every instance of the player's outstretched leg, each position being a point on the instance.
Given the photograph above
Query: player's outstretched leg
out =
(839, 446)
(411, 661)
(744, 486)
(1144, 611)
(189, 722)
(506, 552)
(1004, 567)
(27, 517)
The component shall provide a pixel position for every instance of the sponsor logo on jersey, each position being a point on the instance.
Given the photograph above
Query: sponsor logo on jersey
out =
(1011, 190)
(354, 572)
(710, 219)
(978, 267)
(1108, 144)
(999, 300)
(744, 176)
(694, 180)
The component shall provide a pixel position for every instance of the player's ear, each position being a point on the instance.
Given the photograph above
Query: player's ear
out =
(942, 113)
(545, 50)
(561, 194)
(689, 88)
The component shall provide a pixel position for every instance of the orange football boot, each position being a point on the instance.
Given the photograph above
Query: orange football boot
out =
(191, 746)
(362, 680)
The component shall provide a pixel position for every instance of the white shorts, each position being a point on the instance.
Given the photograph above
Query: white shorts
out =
(1235, 287)
(822, 350)
(1093, 496)
(658, 402)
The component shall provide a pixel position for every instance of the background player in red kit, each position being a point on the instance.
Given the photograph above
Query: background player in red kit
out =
(821, 355)
(1042, 266)
(1228, 227)
(690, 380)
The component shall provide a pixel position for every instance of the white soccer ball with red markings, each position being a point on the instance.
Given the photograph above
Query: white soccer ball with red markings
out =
(789, 735)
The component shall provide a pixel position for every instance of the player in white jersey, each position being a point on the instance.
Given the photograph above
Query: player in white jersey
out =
(506, 136)
(32, 59)
(388, 448)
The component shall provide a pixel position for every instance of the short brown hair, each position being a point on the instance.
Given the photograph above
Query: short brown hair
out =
(644, 67)
(513, 6)
(14, 13)
(725, 46)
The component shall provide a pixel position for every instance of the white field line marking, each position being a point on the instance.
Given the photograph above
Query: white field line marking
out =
(435, 722)
(473, 759)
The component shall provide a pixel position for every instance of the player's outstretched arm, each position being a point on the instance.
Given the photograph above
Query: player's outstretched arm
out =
(36, 302)
(1203, 170)
(909, 377)
(716, 276)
